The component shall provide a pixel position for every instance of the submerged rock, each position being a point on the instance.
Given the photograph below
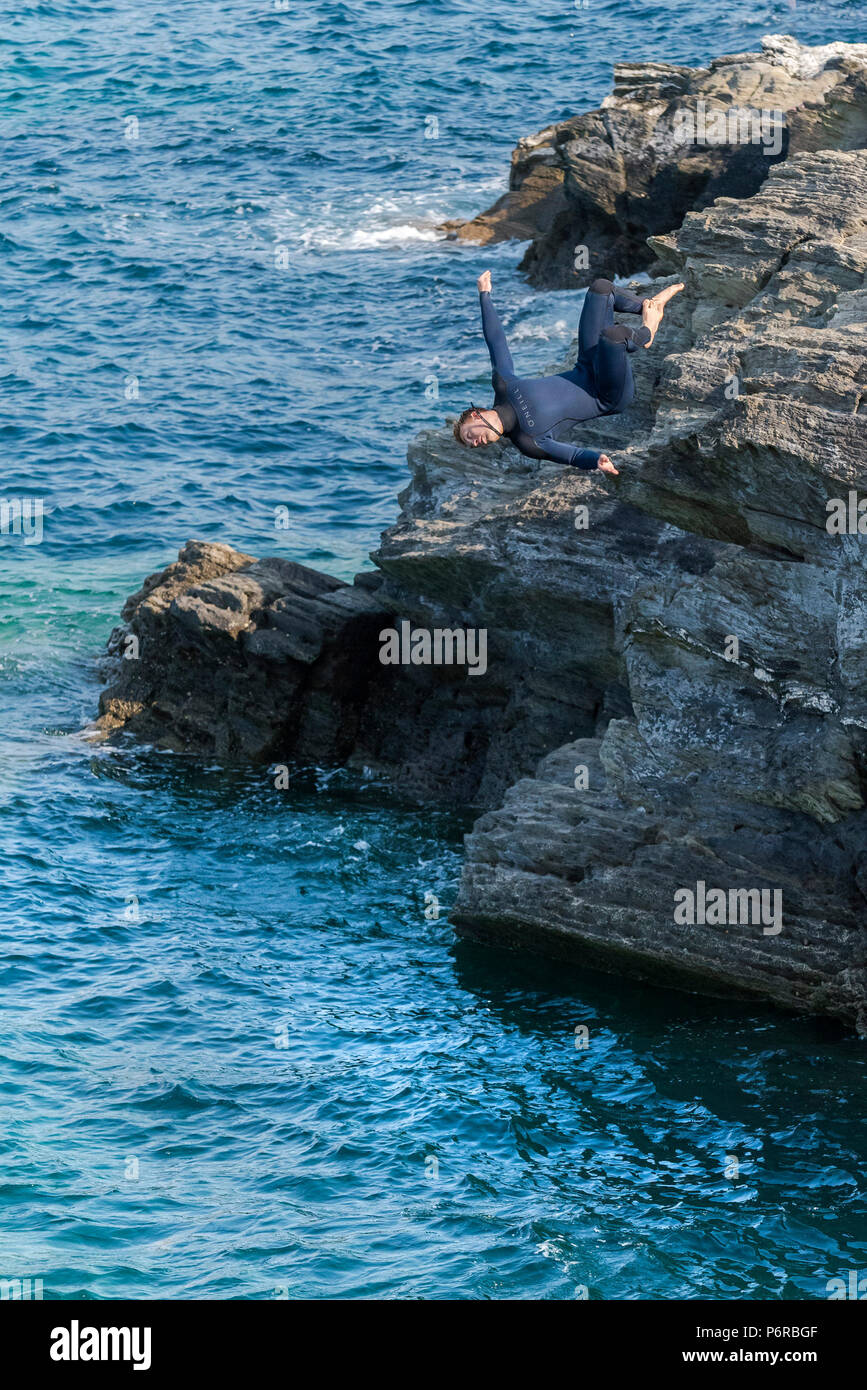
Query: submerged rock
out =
(669, 741)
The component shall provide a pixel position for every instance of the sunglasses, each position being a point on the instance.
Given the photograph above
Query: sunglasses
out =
(477, 411)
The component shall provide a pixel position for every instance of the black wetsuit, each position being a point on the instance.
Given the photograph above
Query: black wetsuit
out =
(534, 409)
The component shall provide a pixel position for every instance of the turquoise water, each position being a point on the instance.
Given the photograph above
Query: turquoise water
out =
(238, 1059)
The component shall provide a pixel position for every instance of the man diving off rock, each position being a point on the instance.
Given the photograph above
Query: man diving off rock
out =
(532, 410)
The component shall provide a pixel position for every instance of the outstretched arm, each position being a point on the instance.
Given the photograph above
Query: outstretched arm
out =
(569, 454)
(501, 358)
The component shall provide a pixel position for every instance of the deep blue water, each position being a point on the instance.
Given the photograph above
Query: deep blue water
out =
(232, 1042)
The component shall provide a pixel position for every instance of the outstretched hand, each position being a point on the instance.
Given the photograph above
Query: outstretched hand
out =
(484, 282)
(607, 466)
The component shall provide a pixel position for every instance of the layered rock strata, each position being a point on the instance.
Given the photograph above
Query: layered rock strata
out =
(669, 140)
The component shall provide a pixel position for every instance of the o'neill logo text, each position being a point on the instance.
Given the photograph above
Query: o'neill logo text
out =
(444, 646)
(76, 1343)
(524, 409)
(714, 907)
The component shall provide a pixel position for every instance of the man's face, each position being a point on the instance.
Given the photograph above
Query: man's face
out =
(476, 431)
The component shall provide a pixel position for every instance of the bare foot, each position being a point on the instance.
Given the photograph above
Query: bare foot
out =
(653, 309)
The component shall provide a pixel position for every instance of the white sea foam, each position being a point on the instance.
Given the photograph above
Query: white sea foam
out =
(538, 332)
(335, 238)
(387, 222)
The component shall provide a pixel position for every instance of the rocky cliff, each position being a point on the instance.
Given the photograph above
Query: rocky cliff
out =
(675, 699)
(608, 179)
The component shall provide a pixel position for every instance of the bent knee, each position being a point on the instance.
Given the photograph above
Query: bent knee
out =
(602, 287)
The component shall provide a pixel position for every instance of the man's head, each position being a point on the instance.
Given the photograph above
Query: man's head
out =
(473, 427)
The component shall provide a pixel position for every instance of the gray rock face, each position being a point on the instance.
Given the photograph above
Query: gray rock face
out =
(778, 308)
(223, 654)
(588, 876)
(608, 179)
(742, 762)
(668, 742)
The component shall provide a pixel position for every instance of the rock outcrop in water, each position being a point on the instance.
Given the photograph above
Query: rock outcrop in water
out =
(675, 699)
(608, 179)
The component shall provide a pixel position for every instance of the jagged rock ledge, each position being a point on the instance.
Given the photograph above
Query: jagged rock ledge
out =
(608, 179)
(620, 746)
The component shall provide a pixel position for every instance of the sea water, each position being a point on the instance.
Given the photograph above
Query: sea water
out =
(243, 1054)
